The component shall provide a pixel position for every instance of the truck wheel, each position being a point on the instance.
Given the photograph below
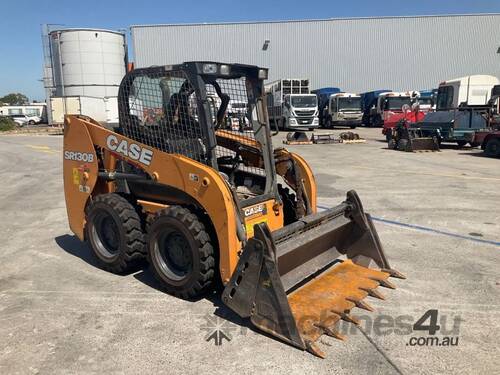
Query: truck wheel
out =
(492, 148)
(115, 233)
(353, 126)
(328, 124)
(461, 143)
(289, 205)
(180, 252)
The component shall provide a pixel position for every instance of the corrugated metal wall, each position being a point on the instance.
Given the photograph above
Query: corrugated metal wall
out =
(355, 54)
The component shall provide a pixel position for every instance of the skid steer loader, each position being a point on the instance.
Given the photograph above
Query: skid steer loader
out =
(203, 203)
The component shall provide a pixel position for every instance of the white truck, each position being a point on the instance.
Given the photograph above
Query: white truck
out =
(463, 108)
(344, 109)
(291, 105)
(465, 92)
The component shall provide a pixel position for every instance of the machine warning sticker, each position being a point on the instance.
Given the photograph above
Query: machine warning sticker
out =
(76, 176)
(84, 189)
(249, 226)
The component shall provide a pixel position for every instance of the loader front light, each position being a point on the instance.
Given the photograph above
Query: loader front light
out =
(210, 68)
(263, 74)
(225, 70)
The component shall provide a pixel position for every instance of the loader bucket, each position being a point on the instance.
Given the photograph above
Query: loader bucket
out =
(292, 284)
(423, 144)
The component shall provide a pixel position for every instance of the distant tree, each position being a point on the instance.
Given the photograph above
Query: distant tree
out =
(14, 99)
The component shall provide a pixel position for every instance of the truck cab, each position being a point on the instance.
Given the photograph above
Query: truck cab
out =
(290, 105)
(391, 103)
(344, 109)
(300, 111)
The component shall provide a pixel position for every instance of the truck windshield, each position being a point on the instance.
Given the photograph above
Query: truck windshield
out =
(304, 101)
(396, 103)
(349, 104)
(425, 101)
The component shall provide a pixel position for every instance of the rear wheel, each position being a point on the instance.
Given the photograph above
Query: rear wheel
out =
(115, 233)
(180, 252)
(461, 143)
(492, 148)
(353, 126)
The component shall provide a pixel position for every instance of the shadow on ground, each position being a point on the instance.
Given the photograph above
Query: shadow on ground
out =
(72, 245)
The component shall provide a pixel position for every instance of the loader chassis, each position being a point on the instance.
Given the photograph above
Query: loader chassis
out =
(203, 201)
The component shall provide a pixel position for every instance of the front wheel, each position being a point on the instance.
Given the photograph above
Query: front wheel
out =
(353, 126)
(180, 252)
(461, 143)
(31, 122)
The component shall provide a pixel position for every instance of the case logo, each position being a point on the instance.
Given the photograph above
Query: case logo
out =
(255, 210)
(132, 150)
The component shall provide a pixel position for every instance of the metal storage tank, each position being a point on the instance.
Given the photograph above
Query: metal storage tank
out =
(87, 62)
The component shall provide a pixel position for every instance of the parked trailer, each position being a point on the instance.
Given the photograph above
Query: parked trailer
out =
(291, 105)
(104, 110)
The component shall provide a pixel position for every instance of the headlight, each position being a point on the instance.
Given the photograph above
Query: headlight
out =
(262, 73)
(209, 68)
(225, 70)
(292, 121)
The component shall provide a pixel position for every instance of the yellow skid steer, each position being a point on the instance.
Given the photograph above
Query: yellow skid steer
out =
(202, 202)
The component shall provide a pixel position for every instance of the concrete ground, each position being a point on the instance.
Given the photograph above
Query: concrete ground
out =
(437, 215)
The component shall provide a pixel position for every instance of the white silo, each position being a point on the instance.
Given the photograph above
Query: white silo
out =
(88, 66)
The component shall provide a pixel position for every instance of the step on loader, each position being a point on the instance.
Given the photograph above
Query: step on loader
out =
(202, 203)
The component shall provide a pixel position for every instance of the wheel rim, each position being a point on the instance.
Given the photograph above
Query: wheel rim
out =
(106, 234)
(175, 257)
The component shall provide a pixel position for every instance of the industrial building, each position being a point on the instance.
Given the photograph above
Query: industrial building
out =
(356, 54)
(83, 69)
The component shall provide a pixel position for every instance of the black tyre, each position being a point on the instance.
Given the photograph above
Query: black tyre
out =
(403, 145)
(115, 233)
(461, 143)
(289, 205)
(391, 145)
(311, 129)
(180, 252)
(353, 126)
(492, 148)
(328, 124)
(31, 122)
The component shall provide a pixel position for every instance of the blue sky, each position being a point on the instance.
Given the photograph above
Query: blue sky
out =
(20, 41)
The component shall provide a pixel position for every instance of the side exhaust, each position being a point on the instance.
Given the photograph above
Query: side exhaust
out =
(292, 284)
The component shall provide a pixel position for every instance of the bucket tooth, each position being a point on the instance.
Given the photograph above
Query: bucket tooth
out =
(384, 283)
(332, 332)
(361, 304)
(393, 273)
(314, 349)
(347, 317)
(374, 293)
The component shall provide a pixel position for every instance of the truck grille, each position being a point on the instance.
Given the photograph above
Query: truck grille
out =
(305, 112)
